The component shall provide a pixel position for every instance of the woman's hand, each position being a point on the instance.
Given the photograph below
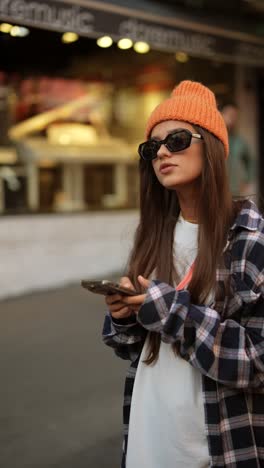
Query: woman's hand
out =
(124, 306)
(135, 302)
(116, 305)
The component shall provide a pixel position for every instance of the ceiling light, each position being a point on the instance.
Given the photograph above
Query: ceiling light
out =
(5, 28)
(19, 31)
(69, 37)
(141, 47)
(23, 32)
(14, 31)
(104, 41)
(181, 57)
(125, 43)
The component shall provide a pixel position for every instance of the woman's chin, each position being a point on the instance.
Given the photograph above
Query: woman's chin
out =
(173, 184)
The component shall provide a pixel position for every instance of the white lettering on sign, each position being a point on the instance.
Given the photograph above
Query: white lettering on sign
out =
(71, 18)
(168, 39)
(250, 51)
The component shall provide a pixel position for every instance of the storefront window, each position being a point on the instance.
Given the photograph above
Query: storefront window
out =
(75, 113)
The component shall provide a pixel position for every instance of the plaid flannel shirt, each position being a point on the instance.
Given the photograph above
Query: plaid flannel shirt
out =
(224, 341)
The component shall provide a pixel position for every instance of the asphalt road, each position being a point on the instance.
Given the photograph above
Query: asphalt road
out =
(61, 387)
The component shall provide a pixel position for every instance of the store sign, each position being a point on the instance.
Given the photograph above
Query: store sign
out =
(46, 14)
(169, 39)
(197, 44)
(92, 22)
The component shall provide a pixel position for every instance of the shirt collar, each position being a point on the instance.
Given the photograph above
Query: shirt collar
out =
(248, 218)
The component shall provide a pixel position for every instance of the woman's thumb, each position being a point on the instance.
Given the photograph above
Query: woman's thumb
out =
(143, 281)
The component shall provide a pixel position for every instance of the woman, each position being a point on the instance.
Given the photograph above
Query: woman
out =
(195, 336)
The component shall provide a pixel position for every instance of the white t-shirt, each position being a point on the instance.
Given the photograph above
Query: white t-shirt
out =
(167, 423)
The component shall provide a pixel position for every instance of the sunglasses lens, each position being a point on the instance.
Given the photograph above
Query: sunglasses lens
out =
(178, 141)
(148, 150)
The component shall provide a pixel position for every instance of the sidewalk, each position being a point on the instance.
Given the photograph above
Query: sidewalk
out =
(61, 388)
(47, 251)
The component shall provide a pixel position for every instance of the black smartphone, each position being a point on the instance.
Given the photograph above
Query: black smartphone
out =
(107, 287)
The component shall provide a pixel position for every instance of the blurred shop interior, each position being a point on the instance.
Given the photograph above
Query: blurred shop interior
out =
(73, 108)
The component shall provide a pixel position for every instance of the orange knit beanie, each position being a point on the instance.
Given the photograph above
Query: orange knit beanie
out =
(194, 103)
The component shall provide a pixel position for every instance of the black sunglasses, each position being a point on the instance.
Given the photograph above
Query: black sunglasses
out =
(176, 141)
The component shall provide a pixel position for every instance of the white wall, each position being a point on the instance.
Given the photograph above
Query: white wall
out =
(44, 251)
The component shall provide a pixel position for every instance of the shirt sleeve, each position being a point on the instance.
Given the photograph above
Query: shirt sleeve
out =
(125, 336)
(224, 350)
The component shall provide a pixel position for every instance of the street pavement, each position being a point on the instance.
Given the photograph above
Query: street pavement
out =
(61, 387)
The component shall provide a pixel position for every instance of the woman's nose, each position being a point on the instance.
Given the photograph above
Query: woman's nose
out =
(163, 152)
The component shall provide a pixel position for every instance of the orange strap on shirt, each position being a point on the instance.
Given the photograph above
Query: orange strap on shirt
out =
(186, 280)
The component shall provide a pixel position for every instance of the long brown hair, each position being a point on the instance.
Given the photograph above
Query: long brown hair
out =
(159, 211)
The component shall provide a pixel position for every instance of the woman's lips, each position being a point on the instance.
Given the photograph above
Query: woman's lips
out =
(165, 168)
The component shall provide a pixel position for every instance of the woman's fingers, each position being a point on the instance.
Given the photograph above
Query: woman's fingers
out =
(117, 306)
(123, 306)
(112, 298)
(122, 313)
(126, 283)
(134, 300)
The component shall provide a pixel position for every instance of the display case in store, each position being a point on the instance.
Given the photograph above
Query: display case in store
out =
(72, 149)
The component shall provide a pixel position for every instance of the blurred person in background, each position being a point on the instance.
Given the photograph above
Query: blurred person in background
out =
(240, 162)
(194, 333)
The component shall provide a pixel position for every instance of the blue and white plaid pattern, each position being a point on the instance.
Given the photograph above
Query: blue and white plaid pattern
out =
(224, 341)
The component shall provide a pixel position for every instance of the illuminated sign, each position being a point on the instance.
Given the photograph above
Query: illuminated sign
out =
(53, 15)
(89, 21)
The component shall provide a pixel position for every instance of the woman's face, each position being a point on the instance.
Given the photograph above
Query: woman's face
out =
(181, 169)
